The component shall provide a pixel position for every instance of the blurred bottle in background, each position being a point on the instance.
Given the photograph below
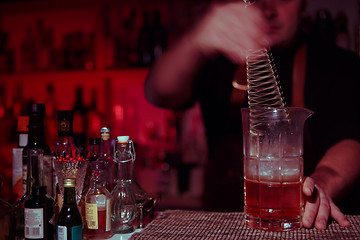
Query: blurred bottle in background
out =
(79, 120)
(159, 35)
(51, 118)
(145, 42)
(28, 51)
(93, 116)
(6, 53)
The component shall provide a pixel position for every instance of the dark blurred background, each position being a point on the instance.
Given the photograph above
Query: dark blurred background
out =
(93, 56)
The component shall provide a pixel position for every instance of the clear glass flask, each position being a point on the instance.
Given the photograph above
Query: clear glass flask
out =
(123, 201)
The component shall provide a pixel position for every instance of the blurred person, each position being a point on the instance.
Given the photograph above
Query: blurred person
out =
(203, 67)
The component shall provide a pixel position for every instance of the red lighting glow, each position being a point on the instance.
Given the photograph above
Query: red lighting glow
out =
(118, 112)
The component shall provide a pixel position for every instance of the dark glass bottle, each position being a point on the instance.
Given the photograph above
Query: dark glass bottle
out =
(38, 213)
(36, 158)
(80, 122)
(69, 222)
(37, 150)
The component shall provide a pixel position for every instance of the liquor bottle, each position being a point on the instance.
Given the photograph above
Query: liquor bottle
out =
(93, 116)
(65, 142)
(94, 144)
(36, 145)
(69, 223)
(17, 167)
(36, 159)
(123, 201)
(97, 204)
(38, 213)
(106, 156)
(65, 150)
(145, 42)
(159, 35)
(51, 111)
(79, 118)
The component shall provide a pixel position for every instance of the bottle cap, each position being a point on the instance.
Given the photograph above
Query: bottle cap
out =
(22, 123)
(69, 182)
(105, 133)
(94, 141)
(35, 109)
(123, 139)
(66, 115)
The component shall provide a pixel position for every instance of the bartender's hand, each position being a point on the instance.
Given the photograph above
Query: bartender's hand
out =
(319, 207)
(230, 29)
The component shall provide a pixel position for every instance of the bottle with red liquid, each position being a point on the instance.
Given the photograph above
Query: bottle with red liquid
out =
(94, 144)
(97, 205)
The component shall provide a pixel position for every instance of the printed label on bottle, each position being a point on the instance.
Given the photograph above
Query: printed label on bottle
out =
(76, 232)
(34, 223)
(23, 139)
(91, 215)
(61, 233)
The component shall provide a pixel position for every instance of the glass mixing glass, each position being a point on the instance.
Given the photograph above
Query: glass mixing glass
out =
(273, 168)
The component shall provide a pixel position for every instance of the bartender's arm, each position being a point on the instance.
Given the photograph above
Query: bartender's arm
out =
(227, 29)
(333, 176)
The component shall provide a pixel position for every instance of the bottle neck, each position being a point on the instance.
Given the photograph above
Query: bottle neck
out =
(36, 136)
(94, 152)
(125, 170)
(69, 195)
(36, 130)
(105, 148)
(35, 167)
(96, 179)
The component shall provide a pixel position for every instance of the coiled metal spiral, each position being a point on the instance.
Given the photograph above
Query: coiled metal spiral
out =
(264, 88)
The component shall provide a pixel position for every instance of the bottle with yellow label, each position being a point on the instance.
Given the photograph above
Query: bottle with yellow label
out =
(97, 205)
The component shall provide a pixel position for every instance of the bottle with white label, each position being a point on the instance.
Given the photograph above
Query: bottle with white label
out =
(38, 213)
(69, 222)
(97, 204)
